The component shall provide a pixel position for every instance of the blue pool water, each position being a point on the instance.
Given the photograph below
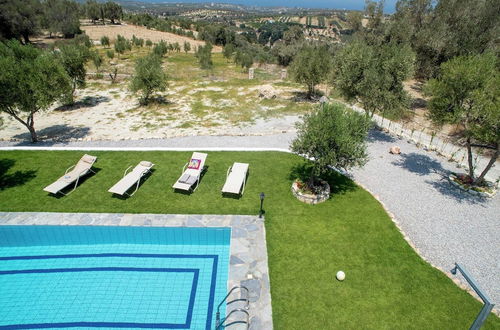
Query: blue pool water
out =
(111, 277)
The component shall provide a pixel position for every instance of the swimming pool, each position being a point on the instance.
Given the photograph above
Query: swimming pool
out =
(112, 277)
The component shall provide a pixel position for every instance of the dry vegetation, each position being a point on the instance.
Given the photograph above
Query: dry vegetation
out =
(222, 101)
(95, 32)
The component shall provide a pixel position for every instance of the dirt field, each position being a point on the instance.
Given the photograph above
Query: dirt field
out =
(95, 32)
(222, 101)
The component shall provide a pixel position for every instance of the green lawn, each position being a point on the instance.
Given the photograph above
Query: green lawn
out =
(387, 285)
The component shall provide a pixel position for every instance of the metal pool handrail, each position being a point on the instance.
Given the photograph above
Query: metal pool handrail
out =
(488, 305)
(220, 323)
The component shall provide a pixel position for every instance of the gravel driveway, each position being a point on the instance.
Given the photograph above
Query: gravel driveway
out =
(444, 224)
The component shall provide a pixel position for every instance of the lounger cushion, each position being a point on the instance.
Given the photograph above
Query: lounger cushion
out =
(194, 164)
(188, 179)
(146, 163)
(88, 159)
(184, 178)
(192, 180)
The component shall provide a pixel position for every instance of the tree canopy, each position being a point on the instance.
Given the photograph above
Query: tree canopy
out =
(467, 92)
(204, 56)
(374, 75)
(148, 77)
(20, 19)
(62, 16)
(73, 57)
(332, 135)
(311, 66)
(31, 80)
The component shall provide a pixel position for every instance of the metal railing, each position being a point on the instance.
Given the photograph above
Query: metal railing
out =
(488, 306)
(220, 323)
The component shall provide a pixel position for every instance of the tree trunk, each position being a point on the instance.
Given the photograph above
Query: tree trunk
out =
(34, 137)
(489, 166)
(31, 128)
(29, 123)
(310, 91)
(469, 159)
(26, 38)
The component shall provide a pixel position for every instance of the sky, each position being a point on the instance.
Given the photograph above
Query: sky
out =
(332, 4)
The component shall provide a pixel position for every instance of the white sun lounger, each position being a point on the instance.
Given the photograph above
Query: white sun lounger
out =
(191, 175)
(131, 179)
(83, 167)
(236, 178)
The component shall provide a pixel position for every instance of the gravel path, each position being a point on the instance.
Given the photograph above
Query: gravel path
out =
(444, 224)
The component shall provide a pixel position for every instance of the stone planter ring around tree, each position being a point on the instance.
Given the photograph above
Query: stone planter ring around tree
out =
(323, 193)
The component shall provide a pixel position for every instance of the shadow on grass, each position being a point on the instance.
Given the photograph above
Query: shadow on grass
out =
(141, 182)
(339, 184)
(57, 132)
(420, 164)
(303, 97)
(18, 178)
(157, 100)
(86, 102)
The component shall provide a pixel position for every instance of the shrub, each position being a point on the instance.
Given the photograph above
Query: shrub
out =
(110, 53)
(160, 48)
(105, 41)
(148, 77)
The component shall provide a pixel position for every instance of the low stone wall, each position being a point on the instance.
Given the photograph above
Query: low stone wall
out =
(452, 178)
(310, 198)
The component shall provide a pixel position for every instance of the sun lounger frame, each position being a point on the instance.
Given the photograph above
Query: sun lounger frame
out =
(229, 170)
(143, 174)
(200, 172)
(81, 174)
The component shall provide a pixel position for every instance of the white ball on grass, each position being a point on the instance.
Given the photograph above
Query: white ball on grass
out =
(340, 275)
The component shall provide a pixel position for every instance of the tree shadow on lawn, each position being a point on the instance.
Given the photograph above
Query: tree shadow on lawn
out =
(141, 182)
(339, 184)
(18, 178)
(57, 132)
(420, 164)
(86, 102)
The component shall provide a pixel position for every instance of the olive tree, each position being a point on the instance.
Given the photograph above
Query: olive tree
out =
(160, 48)
(332, 135)
(105, 41)
(374, 75)
(20, 19)
(73, 58)
(31, 80)
(204, 56)
(187, 47)
(112, 11)
(310, 67)
(148, 77)
(467, 93)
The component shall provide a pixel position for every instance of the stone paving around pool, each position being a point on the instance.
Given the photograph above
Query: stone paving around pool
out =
(248, 261)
